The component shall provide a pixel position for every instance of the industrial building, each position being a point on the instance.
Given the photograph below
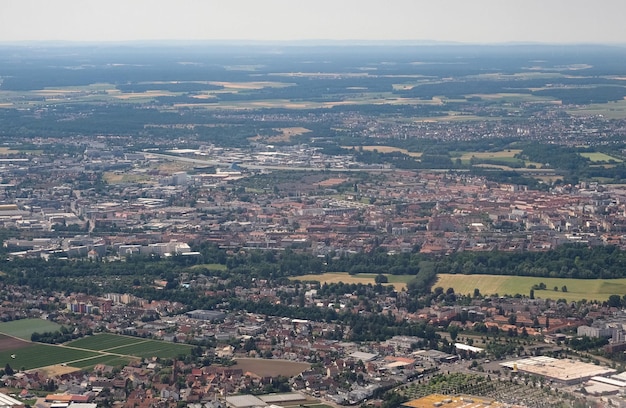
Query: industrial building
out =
(563, 371)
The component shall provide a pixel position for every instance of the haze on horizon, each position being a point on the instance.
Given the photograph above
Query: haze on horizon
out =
(464, 21)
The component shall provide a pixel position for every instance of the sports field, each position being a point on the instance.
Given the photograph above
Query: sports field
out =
(26, 327)
(398, 281)
(577, 289)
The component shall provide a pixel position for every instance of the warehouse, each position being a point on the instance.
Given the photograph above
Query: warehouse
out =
(564, 371)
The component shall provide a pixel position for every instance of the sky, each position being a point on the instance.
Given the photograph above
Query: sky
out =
(466, 21)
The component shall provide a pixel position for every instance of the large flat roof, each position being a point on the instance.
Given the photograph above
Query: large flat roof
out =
(563, 370)
(244, 401)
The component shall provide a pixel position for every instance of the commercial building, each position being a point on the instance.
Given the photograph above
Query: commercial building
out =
(564, 371)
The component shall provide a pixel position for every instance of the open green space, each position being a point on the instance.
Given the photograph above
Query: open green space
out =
(577, 289)
(150, 348)
(35, 355)
(610, 110)
(398, 281)
(210, 267)
(26, 327)
(104, 341)
(90, 363)
(131, 346)
(596, 157)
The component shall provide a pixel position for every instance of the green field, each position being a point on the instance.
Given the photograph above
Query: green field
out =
(86, 352)
(210, 267)
(89, 363)
(577, 289)
(150, 348)
(596, 157)
(35, 355)
(104, 341)
(131, 346)
(26, 327)
(398, 281)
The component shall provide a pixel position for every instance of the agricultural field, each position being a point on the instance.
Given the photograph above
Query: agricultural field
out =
(611, 110)
(398, 281)
(385, 149)
(150, 348)
(577, 289)
(85, 353)
(502, 156)
(27, 355)
(265, 367)
(26, 327)
(130, 346)
(89, 363)
(104, 341)
(597, 157)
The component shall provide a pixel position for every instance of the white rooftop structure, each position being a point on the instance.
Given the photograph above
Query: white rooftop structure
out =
(6, 401)
(364, 357)
(244, 401)
(461, 346)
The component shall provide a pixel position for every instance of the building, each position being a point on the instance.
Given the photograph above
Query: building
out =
(564, 371)
(8, 402)
(209, 315)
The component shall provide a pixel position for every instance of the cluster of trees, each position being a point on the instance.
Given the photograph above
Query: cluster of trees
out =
(566, 261)
(57, 337)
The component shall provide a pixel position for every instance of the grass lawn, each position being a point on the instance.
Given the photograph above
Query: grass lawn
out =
(577, 289)
(26, 327)
(596, 157)
(398, 281)
(210, 267)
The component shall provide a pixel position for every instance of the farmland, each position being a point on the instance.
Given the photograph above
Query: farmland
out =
(105, 341)
(577, 289)
(130, 346)
(26, 327)
(597, 157)
(385, 149)
(34, 355)
(263, 367)
(84, 353)
(398, 281)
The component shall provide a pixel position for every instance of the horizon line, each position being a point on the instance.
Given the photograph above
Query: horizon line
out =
(306, 42)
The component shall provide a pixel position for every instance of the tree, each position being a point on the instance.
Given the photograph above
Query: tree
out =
(454, 332)
(476, 293)
(380, 278)
(564, 288)
(614, 301)
(8, 370)
(532, 293)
